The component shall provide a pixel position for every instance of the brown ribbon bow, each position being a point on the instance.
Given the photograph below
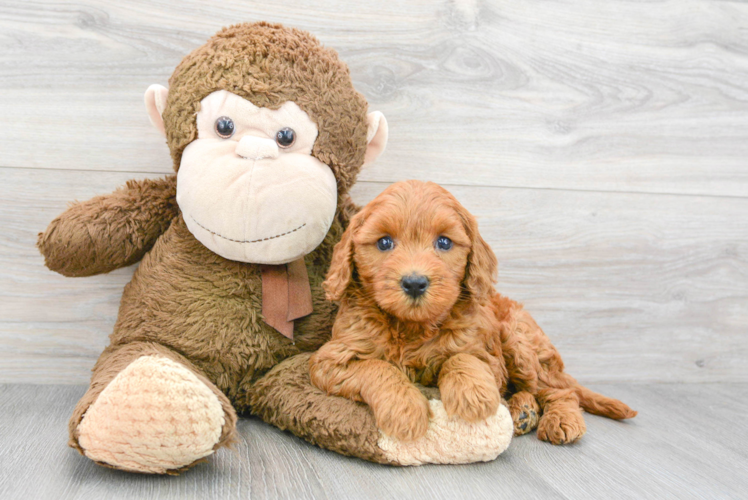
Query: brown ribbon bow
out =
(286, 295)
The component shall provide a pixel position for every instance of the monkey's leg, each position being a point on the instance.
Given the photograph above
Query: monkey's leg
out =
(149, 410)
(562, 421)
(286, 398)
(525, 412)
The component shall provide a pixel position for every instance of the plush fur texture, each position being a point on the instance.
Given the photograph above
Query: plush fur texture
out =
(269, 64)
(452, 441)
(202, 312)
(460, 334)
(348, 427)
(186, 303)
(337, 424)
(133, 420)
(112, 363)
(535, 366)
(384, 340)
(79, 242)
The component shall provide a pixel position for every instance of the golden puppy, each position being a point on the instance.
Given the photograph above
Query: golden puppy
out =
(417, 305)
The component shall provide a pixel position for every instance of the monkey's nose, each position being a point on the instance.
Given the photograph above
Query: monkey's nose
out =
(256, 148)
(414, 285)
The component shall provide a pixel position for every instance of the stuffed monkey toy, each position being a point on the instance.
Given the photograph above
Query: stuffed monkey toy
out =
(267, 136)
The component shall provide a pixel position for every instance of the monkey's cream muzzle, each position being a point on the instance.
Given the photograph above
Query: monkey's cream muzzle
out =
(256, 148)
(246, 198)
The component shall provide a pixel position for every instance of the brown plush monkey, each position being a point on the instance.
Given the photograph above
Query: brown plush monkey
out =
(267, 135)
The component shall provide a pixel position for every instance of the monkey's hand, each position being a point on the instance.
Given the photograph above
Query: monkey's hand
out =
(111, 231)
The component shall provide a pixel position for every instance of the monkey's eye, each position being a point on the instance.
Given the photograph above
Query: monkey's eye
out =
(225, 127)
(443, 243)
(385, 244)
(285, 137)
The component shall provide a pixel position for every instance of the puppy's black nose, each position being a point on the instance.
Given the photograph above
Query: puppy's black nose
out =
(414, 285)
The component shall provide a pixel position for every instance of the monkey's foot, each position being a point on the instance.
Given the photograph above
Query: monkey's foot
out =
(155, 416)
(525, 412)
(452, 440)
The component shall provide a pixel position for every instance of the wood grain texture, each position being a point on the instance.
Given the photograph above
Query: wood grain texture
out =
(688, 442)
(629, 286)
(603, 147)
(639, 96)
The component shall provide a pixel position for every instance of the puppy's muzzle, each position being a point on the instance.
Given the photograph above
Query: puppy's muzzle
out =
(414, 285)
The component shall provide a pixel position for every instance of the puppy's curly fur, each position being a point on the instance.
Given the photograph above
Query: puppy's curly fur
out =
(456, 332)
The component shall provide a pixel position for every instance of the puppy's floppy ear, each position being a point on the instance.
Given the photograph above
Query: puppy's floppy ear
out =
(340, 274)
(482, 267)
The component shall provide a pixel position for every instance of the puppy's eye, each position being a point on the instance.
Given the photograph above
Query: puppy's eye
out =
(225, 127)
(443, 243)
(285, 137)
(385, 244)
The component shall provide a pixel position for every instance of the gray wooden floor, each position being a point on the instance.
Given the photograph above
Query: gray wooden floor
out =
(689, 441)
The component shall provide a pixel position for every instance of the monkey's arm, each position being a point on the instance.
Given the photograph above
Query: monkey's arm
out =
(286, 398)
(111, 231)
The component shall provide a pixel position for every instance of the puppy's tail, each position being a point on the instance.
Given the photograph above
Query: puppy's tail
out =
(597, 404)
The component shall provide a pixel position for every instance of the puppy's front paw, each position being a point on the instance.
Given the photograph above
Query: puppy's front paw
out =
(404, 415)
(471, 400)
(468, 388)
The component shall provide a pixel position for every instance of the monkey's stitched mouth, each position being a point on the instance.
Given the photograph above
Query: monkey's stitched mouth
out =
(247, 241)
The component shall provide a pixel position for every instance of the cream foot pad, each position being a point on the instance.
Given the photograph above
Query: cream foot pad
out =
(453, 441)
(154, 416)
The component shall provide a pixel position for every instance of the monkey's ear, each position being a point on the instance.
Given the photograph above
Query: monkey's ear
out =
(376, 136)
(155, 103)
